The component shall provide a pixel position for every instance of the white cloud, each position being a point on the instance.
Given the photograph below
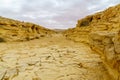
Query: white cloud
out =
(29, 16)
(92, 7)
(52, 13)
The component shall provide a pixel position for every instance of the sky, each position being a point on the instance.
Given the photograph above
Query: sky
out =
(59, 14)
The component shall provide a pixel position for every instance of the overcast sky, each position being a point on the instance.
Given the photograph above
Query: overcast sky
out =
(52, 13)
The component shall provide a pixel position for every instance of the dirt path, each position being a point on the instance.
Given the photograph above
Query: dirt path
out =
(52, 58)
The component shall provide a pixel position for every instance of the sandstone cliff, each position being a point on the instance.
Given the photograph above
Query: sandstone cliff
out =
(13, 30)
(101, 32)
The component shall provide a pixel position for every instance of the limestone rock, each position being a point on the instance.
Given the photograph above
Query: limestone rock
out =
(101, 32)
(13, 30)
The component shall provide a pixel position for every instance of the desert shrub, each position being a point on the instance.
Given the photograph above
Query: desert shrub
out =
(27, 38)
(84, 23)
(2, 40)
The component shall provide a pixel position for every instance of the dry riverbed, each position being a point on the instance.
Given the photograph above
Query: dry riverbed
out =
(52, 58)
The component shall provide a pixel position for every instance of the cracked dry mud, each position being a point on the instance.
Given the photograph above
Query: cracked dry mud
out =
(52, 58)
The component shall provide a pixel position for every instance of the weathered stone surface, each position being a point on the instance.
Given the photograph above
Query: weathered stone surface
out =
(103, 43)
(103, 36)
(54, 58)
(13, 30)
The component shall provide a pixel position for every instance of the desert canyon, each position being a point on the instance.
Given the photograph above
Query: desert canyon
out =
(89, 51)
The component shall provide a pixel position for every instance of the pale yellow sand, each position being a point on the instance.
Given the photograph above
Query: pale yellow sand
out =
(52, 58)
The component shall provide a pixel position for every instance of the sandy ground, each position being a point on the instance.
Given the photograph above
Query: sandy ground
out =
(52, 58)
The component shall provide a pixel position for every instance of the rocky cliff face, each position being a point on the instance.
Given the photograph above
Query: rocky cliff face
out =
(102, 32)
(12, 30)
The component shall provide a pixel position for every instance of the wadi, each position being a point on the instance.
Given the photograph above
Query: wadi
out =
(89, 51)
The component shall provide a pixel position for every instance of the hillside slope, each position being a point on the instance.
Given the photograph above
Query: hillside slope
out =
(13, 30)
(101, 32)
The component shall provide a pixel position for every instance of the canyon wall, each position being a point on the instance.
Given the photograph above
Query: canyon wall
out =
(101, 32)
(13, 30)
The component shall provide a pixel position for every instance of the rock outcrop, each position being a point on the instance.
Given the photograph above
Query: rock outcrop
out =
(13, 30)
(101, 32)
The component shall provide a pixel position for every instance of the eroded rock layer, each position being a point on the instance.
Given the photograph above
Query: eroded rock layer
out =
(102, 32)
(12, 30)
